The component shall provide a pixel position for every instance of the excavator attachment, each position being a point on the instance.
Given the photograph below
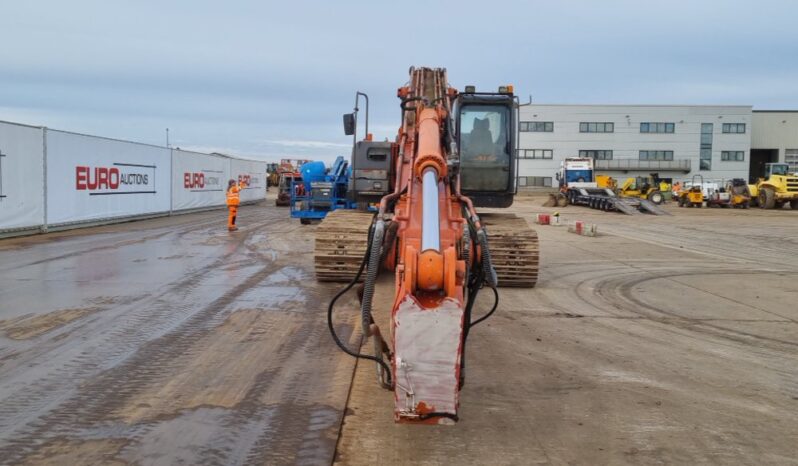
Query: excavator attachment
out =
(427, 361)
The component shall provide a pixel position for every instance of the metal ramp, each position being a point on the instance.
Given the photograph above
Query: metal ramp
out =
(652, 208)
(623, 206)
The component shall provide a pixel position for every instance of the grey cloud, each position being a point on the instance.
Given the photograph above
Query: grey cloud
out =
(248, 76)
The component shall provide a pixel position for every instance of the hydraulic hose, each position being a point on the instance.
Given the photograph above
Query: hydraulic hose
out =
(425, 416)
(482, 269)
(389, 240)
(340, 293)
(372, 271)
(404, 102)
(492, 310)
(487, 262)
(485, 269)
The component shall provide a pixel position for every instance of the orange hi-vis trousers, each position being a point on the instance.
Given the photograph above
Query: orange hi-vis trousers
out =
(231, 217)
(233, 199)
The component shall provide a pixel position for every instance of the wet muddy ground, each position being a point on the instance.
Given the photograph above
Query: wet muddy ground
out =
(168, 341)
(667, 340)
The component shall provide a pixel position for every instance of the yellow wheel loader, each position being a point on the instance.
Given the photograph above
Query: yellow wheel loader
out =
(777, 188)
(651, 188)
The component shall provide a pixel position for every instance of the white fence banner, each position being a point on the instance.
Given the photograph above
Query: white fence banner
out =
(21, 176)
(198, 180)
(91, 178)
(254, 174)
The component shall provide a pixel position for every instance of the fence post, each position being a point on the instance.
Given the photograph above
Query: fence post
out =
(171, 176)
(44, 177)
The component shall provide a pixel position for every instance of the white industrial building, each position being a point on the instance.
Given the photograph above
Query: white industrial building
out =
(774, 139)
(676, 141)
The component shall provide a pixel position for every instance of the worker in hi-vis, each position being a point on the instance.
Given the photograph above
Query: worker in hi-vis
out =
(233, 200)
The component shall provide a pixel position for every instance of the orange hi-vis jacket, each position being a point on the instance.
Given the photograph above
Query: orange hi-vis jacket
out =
(233, 196)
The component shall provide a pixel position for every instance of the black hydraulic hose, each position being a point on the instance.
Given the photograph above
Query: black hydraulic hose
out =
(404, 102)
(425, 416)
(390, 239)
(372, 271)
(340, 293)
(489, 274)
(492, 310)
(475, 284)
(475, 279)
(487, 262)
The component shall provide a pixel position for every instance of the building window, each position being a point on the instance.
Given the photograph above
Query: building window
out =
(732, 156)
(736, 128)
(596, 127)
(656, 155)
(535, 153)
(791, 159)
(534, 181)
(657, 127)
(705, 160)
(596, 154)
(536, 126)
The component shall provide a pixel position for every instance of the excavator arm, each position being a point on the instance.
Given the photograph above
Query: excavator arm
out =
(428, 233)
(429, 305)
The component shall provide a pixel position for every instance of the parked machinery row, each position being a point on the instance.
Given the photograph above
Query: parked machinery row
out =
(695, 194)
(579, 185)
(773, 191)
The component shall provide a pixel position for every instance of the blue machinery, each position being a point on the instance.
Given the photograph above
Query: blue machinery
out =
(320, 191)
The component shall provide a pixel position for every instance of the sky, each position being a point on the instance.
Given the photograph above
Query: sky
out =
(270, 80)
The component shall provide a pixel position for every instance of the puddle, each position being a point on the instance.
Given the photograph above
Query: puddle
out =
(274, 298)
(288, 274)
(200, 436)
(83, 452)
(31, 326)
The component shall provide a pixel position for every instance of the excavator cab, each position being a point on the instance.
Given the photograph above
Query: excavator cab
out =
(485, 133)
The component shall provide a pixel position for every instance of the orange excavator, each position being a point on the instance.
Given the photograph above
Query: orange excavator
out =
(454, 152)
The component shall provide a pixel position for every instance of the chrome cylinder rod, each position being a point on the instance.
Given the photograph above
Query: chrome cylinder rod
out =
(430, 223)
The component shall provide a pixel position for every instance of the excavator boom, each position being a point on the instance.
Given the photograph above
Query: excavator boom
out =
(427, 231)
(429, 305)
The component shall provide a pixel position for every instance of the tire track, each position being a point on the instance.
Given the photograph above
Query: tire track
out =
(290, 413)
(183, 229)
(622, 294)
(153, 362)
(77, 361)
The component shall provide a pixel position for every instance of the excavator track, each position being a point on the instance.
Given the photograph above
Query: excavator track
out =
(341, 242)
(513, 249)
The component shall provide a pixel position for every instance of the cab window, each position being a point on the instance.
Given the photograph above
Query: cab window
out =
(780, 169)
(484, 147)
